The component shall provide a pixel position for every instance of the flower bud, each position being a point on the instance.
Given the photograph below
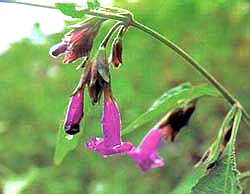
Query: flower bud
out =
(116, 55)
(74, 113)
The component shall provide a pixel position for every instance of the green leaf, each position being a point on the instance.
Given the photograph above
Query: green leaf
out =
(223, 177)
(64, 144)
(214, 150)
(93, 4)
(70, 9)
(189, 181)
(16, 184)
(172, 99)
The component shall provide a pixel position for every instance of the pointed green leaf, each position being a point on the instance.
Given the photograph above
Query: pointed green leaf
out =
(223, 177)
(70, 9)
(64, 144)
(214, 149)
(172, 99)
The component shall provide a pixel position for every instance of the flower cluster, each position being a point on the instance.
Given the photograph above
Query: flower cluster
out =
(96, 79)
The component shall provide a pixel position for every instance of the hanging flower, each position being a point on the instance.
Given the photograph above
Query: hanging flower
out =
(146, 154)
(78, 43)
(111, 143)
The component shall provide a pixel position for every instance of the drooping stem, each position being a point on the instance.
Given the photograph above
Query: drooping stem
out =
(109, 34)
(226, 94)
(26, 3)
(129, 20)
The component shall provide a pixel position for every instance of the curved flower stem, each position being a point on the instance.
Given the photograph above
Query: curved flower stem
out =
(226, 94)
(109, 34)
(26, 3)
(130, 21)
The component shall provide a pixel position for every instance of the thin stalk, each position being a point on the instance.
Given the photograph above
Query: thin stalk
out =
(128, 19)
(226, 94)
(109, 34)
(29, 4)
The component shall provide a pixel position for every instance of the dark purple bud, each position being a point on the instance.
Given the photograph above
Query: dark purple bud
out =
(145, 155)
(74, 113)
(58, 49)
(116, 56)
(111, 124)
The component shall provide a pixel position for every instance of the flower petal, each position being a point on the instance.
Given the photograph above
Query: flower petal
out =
(98, 145)
(111, 123)
(145, 155)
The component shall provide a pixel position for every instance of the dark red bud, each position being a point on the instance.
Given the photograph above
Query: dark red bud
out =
(116, 57)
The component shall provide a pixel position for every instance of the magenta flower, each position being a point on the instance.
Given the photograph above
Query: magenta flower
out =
(79, 42)
(74, 113)
(111, 124)
(145, 155)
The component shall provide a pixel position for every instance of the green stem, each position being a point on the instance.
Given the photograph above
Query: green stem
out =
(109, 34)
(30, 4)
(129, 20)
(227, 95)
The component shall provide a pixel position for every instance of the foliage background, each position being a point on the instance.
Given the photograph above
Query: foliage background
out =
(35, 89)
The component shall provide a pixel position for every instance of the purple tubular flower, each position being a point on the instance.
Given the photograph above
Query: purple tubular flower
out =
(74, 113)
(145, 155)
(111, 123)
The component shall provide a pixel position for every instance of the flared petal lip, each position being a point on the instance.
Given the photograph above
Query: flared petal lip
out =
(146, 161)
(98, 145)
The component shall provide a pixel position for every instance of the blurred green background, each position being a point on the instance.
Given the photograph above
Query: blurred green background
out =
(35, 88)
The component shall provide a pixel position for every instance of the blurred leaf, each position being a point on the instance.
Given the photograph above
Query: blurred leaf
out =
(172, 99)
(16, 184)
(93, 4)
(69, 9)
(223, 177)
(64, 144)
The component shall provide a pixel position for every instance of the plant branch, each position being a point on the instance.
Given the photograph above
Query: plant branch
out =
(110, 33)
(25, 3)
(226, 94)
(129, 20)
